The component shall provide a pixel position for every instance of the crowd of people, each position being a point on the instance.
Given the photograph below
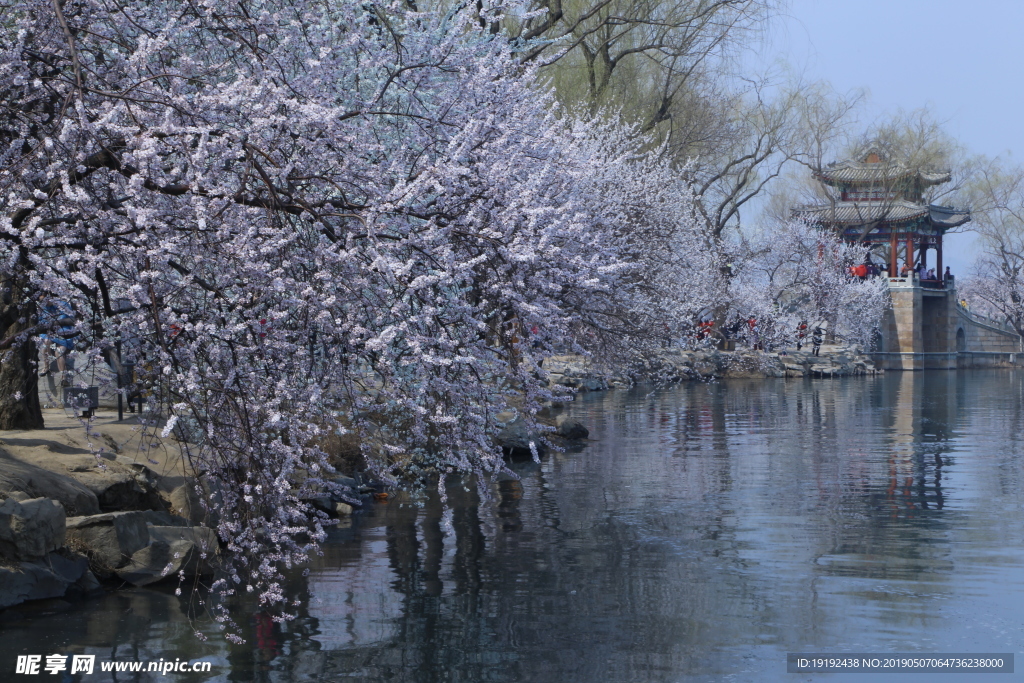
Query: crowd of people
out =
(871, 269)
(750, 329)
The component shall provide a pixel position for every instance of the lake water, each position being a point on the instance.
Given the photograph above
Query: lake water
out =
(703, 533)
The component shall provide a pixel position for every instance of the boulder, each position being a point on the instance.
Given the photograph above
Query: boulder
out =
(705, 368)
(36, 482)
(575, 372)
(159, 518)
(185, 502)
(118, 486)
(109, 540)
(569, 428)
(344, 495)
(203, 538)
(345, 482)
(49, 577)
(162, 560)
(31, 528)
(88, 583)
(592, 384)
(793, 370)
(321, 503)
(153, 563)
(515, 438)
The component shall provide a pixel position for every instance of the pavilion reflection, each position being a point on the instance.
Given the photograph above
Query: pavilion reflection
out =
(886, 496)
(923, 420)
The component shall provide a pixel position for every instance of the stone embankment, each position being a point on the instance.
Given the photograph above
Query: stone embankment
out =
(677, 365)
(81, 512)
(671, 365)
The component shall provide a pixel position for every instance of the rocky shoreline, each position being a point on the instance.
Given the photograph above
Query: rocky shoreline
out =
(678, 365)
(83, 511)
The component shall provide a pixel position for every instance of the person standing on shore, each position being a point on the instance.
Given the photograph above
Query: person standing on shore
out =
(755, 336)
(816, 338)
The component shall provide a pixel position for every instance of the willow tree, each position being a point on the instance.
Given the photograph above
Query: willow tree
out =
(670, 68)
(996, 195)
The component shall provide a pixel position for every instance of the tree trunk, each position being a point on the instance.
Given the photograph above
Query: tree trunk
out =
(19, 391)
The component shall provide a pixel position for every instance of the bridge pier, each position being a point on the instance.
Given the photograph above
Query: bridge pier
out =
(926, 328)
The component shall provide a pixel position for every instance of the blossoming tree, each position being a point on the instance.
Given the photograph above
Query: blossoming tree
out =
(795, 272)
(313, 217)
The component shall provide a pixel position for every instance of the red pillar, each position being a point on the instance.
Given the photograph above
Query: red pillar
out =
(938, 258)
(893, 246)
(910, 251)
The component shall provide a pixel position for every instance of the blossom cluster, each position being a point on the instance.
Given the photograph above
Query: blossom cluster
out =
(303, 219)
(799, 274)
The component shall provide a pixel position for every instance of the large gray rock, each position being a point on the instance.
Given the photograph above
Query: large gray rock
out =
(203, 538)
(705, 368)
(16, 475)
(88, 583)
(28, 581)
(149, 565)
(345, 482)
(321, 503)
(49, 577)
(159, 518)
(344, 490)
(118, 486)
(109, 540)
(576, 372)
(30, 529)
(570, 428)
(161, 560)
(515, 438)
(185, 502)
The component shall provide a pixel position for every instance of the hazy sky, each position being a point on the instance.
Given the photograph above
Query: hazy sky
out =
(961, 59)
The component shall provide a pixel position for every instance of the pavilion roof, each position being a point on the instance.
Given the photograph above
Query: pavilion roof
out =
(859, 213)
(947, 217)
(852, 213)
(877, 173)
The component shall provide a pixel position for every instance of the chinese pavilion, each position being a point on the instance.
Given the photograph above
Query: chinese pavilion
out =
(881, 204)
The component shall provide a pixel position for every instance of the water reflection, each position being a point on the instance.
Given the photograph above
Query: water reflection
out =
(706, 531)
(133, 625)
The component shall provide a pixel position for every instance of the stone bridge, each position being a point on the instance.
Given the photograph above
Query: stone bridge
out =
(928, 328)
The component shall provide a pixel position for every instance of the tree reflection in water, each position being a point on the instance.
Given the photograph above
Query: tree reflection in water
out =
(705, 531)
